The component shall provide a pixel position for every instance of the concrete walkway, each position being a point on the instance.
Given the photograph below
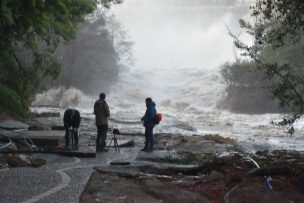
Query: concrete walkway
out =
(61, 180)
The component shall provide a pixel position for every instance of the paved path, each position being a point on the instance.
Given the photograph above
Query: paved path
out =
(61, 180)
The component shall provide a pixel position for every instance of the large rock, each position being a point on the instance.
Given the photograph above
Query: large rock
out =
(18, 160)
(11, 148)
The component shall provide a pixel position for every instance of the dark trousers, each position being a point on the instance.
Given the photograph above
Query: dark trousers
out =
(67, 138)
(149, 138)
(101, 137)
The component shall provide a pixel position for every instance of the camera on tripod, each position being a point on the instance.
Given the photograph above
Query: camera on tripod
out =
(114, 138)
(116, 131)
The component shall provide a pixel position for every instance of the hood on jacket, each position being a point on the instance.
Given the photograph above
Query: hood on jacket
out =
(152, 103)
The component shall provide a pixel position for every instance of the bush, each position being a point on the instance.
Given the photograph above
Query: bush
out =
(10, 101)
(247, 90)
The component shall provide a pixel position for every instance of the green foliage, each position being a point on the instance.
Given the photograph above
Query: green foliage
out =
(285, 18)
(250, 90)
(108, 3)
(247, 89)
(30, 31)
(10, 101)
(279, 26)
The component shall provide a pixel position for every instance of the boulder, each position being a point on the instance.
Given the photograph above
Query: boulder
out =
(18, 160)
(11, 148)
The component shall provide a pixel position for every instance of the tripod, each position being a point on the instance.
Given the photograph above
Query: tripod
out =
(115, 132)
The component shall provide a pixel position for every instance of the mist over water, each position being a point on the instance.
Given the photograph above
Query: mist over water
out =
(169, 34)
(178, 47)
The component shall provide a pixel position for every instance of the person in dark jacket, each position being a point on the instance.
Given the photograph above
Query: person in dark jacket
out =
(71, 119)
(102, 113)
(149, 124)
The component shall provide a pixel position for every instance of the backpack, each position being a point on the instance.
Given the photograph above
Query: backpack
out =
(157, 118)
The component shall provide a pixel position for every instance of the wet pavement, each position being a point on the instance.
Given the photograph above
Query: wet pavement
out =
(62, 179)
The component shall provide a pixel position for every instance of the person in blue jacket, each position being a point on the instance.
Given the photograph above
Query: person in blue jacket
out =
(148, 122)
(71, 119)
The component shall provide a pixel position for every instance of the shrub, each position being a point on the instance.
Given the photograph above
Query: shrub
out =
(10, 101)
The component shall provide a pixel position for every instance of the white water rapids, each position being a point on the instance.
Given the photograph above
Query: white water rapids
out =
(188, 104)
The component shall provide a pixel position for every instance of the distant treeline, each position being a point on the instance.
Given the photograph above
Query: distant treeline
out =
(248, 90)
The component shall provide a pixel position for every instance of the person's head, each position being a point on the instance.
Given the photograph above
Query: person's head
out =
(102, 96)
(148, 100)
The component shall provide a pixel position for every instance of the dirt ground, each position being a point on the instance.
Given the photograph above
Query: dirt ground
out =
(171, 178)
(255, 191)
(134, 187)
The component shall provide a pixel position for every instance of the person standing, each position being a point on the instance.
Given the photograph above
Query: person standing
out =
(148, 122)
(71, 119)
(102, 113)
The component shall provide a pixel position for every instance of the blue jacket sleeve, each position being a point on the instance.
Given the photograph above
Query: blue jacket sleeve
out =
(149, 115)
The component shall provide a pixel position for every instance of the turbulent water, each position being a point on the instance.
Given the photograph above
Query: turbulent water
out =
(178, 50)
(187, 99)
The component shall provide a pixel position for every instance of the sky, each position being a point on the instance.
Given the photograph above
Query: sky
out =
(168, 35)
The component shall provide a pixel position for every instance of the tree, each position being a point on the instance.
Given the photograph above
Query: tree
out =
(278, 24)
(102, 47)
(246, 89)
(30, 31)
